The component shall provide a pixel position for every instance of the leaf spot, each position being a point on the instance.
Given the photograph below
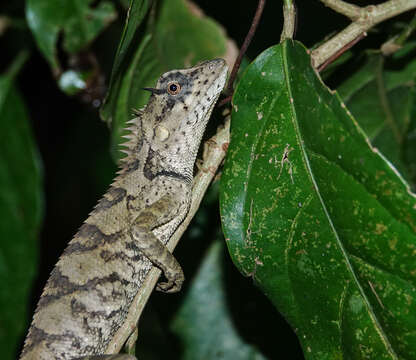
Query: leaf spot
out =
(259, 115)
(284, 160)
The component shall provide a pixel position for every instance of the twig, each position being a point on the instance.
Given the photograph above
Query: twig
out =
(341, 51)
(367, 18)
(18, 63)
(349, 10)
(289, 23)
(214, 153)
(410, 28)
(225, 101)
(246, 43)
(385, 104)
(396, 42)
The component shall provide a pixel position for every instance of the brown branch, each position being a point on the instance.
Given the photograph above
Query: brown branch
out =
(246, 43)
(368, 17)
(341, 51)
(225, 101)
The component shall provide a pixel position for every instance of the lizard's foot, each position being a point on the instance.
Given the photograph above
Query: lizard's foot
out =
(174, 283)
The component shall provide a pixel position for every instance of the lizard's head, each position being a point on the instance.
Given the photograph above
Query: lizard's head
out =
(179, 109)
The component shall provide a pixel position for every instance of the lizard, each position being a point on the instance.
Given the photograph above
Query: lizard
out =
(91, 288)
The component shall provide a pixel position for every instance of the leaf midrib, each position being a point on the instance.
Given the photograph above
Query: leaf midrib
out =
(308, 169)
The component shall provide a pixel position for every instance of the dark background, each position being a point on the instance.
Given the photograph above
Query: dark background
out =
(78, 167)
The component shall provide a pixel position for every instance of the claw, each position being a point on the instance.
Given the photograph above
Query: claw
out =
(170, 286)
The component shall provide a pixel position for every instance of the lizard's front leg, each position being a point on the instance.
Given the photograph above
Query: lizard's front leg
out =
(162, 211)
(159, 213)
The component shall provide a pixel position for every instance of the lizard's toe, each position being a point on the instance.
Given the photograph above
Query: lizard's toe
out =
(168, 287)
(174, 283)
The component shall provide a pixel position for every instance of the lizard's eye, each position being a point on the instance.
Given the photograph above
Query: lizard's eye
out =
(174, 88)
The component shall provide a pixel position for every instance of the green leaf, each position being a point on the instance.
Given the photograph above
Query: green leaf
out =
(409, 151)
(21, 203)
(80, 23)
(323, 224)
(382, 100)
(137, 10)
(163, 47)
(204, 323)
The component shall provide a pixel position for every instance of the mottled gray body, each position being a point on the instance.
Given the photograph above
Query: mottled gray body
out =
(91, 288)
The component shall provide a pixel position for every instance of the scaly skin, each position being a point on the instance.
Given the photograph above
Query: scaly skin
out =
(91, 288)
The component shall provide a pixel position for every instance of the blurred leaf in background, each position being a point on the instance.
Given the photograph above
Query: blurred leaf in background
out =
(79, 22)
(382, 99)
(21, 210)
(199, 314)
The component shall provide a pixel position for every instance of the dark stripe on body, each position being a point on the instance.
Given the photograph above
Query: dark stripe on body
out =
(64, 286)
(78, 309)
(152, 171)
(116, 194)
(132, 166)
(88, 238)
(38, 336)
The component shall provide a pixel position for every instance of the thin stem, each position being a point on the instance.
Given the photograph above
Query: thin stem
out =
(12, 72)
(18, 63)
(289, 23)
(225, 101)
(411, 27)
(369, 16)
(327, 50)
(396, 42)
(385, 102)
(341, 51)
(246, 43)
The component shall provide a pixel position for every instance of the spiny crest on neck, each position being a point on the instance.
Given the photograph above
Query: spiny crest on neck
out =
(130, 146)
